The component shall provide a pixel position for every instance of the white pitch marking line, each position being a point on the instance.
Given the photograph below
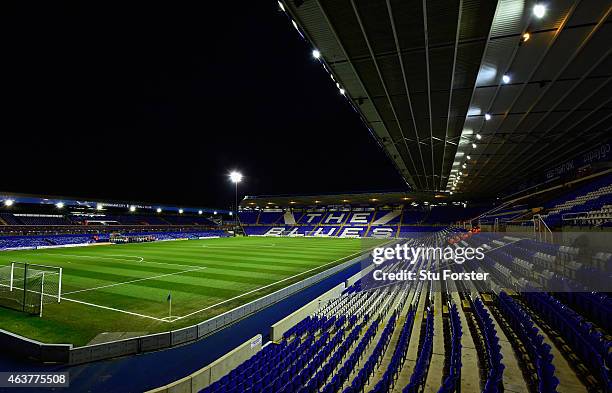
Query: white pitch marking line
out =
(95, 305)
(234, 247)
(141, 259)
(266, 286)
(113, 309)
(133, 281)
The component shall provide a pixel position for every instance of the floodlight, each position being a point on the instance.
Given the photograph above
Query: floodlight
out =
(132, 208)
(231, 213)
(506, 78)
(468, 157)
(539, 10)
(473, 145)
(180, 211)
(59, 205)
(235, 177)
(478, 136)
(487, 116)
(316, 54)
(215, 213)
(463, 166)
(342, 91)
(9, 202)
(159, 210)
(199, 211)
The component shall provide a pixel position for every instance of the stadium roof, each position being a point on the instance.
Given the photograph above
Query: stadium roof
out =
(438, 81)
(354, 199)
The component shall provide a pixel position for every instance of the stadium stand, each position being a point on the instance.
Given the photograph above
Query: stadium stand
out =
(248, 217)
(497, 116)
(588, 199)
(270, 217)
(587, 204)
(17, 242)
(360, 341)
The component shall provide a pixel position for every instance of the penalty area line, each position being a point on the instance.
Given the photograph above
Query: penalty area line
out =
(135, 280)
(99, 306)
(267, 286)
(114, 309)
(111, 257)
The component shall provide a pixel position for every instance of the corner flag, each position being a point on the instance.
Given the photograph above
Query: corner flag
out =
(169, 300)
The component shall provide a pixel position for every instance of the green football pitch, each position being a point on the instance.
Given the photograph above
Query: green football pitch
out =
(122, 290)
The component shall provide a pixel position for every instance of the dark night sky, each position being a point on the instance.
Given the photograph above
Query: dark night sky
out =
(157, 103)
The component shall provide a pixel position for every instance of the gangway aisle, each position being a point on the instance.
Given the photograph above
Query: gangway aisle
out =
(470, 375)
(413, 348)
(435, 374)
(384, 364)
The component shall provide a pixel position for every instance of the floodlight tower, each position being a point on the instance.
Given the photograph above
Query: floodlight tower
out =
(236, 177)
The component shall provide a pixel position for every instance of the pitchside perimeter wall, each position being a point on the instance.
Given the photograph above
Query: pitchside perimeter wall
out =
(213, 372)
(66, 353)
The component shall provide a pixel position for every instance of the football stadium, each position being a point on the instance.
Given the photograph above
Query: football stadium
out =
(473, 255)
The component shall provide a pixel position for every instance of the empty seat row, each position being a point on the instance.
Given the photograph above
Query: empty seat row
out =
(533, 341)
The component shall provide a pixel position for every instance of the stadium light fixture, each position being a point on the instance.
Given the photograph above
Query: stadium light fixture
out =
(215, 212)
(159, 210)
(487, 116)
(342, 91)
(231, 213)
(236, 177)
(506, 78)
(200, 212)
(463, 166)
(180, 211)
(468, 157)
(473, 145)
(9, 202)
(478, 136)
(451, 193)
(59, 205)
(539, 10)
(132, 208)
(316, 54)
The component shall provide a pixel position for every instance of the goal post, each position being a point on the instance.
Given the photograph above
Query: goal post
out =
(27, 286)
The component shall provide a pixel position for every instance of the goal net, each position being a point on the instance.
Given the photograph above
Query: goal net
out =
(27, 286)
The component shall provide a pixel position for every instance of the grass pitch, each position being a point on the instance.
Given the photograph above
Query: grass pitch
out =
(124, 288)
